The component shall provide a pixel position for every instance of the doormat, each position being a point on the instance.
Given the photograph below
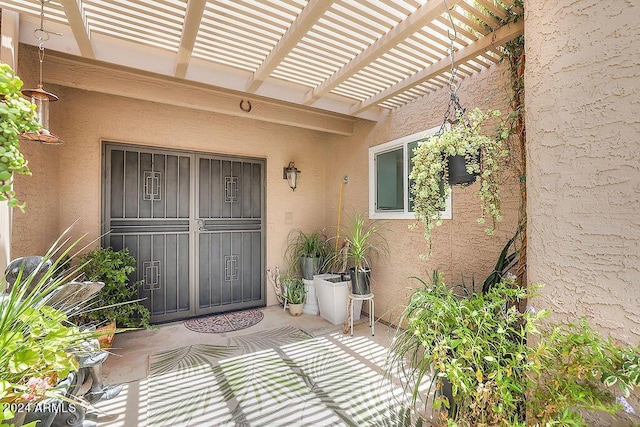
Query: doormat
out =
(276, 377)
(226, 322)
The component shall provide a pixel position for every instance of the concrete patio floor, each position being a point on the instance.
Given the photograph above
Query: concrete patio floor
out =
(129, 363)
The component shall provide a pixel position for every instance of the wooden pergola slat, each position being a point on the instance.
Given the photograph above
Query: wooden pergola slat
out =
(498, 37)
(407, 27)
(74, 11)
(305, 21)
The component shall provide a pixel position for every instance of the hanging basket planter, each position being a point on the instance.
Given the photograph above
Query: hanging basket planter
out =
(457, 171)
(446, 158)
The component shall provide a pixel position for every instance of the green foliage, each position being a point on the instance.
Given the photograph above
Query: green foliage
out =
(301, 244)
(17, 115)
(35, 338)
(294, 290)
(506, 261)
(364, 240)
(429, 174)
(118, 297)
(479, 346)
(576, 368)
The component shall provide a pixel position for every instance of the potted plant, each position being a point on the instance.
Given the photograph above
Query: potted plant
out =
(40, 348)
(483, 155)
(474, 351)
(118, 298)
(294, 294)
(363, 240)
(17, 116)
(306, 252)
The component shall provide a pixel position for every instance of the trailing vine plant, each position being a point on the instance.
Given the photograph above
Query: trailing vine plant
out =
(17, 115)
(468, 138)
(514, 53)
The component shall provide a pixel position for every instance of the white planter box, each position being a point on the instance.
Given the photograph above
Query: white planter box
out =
(332, 298)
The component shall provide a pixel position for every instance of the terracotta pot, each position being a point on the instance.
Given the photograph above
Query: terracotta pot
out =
(107, 333)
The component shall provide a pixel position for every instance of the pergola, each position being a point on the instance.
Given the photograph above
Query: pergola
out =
(354, 58)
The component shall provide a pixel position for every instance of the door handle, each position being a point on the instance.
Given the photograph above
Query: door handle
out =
(201, 225)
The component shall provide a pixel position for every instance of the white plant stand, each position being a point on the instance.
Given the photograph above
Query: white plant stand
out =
(353, 299)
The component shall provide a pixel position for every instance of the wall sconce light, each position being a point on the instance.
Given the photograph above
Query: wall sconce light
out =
(40, 97)
(290, 173)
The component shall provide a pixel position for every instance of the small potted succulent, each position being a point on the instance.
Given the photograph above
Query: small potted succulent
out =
(294, 294)
(483, 155)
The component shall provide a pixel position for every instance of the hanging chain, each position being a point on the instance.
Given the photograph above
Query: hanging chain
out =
(454, 103)
(40, 33)
(41, 58)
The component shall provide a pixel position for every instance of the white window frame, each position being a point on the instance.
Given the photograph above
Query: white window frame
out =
(391, 146)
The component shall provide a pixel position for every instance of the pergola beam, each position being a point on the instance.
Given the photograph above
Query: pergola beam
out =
(497, 38)
(298, 29)
(77, 19)
(414, 22)
(192, 19)
(110, 79)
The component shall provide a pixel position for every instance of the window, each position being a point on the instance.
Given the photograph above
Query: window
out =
(389, 167)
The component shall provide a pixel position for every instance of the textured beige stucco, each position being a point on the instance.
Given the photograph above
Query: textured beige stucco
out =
(583, 126)
(34, 230)
(461, 249)
(582, 86)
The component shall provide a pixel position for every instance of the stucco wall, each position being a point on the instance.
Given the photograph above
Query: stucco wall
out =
(460, 248)
(83, 119)
(584, 160)
(35, 229)
(583, 126)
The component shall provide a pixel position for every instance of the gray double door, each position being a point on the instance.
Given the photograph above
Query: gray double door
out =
(195, 224)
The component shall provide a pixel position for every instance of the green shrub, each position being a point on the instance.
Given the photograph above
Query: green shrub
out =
(118, 300)
(35, 338)
(17, 115)
(479, 346)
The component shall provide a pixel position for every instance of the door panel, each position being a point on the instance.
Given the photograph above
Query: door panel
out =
(229, 234)
(193, 222)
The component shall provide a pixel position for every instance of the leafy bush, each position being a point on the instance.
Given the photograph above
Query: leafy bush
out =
(17, 115)
(36, 339)
(478, 346)
(118, 299)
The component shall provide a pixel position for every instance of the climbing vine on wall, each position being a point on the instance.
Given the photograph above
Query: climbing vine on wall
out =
(513, 52)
